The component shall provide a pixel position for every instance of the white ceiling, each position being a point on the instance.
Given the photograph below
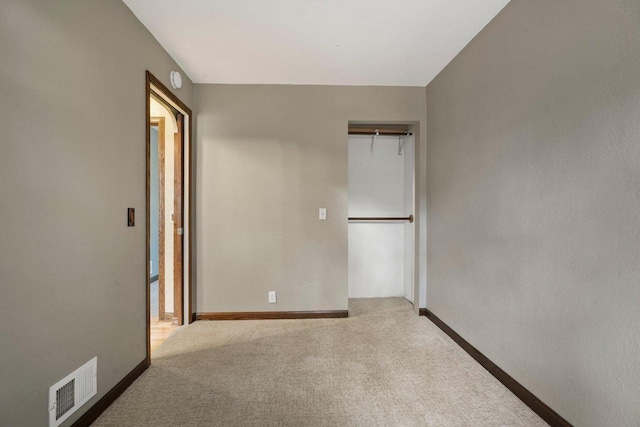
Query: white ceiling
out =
(324, 42)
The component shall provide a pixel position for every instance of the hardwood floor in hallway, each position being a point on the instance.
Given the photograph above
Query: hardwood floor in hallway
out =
(160, 331)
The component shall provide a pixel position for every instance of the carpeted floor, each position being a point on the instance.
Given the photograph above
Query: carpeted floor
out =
(383, 366)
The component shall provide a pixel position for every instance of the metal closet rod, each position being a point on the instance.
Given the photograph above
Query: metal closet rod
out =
(379, 131)
(381, 218)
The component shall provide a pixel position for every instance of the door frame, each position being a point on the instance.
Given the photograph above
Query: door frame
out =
(160, 123)
(178, 223)
(154, 86)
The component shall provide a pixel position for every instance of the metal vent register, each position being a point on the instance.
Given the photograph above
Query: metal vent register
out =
(65, 398)
(73, 391)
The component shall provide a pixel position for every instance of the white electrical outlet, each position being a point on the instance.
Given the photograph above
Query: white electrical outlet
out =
(322, 214)
(272, 297)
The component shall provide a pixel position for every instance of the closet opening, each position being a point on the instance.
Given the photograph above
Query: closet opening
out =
(382, 227)
(168, 225)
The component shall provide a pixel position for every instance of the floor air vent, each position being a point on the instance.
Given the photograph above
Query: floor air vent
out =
(73, 391)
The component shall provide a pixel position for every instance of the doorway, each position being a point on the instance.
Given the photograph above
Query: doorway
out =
(168, 129)
(381, 231)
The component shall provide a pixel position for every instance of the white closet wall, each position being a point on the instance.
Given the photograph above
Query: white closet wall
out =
(380, 254)
(409, 209)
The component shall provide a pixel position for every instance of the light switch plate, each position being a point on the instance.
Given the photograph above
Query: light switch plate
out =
(322, 214)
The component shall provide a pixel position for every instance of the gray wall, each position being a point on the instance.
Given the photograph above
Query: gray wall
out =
(72, 78)
(534, 202)
(267, 158)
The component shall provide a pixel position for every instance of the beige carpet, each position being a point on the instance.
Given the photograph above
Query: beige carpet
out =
(383, 366)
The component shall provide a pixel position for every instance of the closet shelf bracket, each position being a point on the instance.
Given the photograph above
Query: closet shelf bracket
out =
(373, 139)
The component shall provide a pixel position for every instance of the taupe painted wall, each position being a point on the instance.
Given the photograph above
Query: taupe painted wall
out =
(72, 86)
(267, 158)
(534, 202)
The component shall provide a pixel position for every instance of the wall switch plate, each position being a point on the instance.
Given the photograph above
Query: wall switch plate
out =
(322, 214)
(272, 297)
(131, 217)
